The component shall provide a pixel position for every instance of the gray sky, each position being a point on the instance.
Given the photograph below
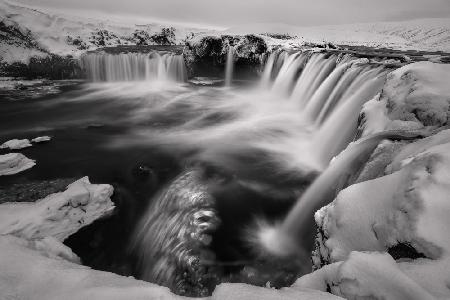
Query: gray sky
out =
(229, 13)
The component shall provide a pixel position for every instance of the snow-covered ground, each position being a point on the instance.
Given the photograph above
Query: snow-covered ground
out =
(36, 31)
(43, 30)
(422, 34)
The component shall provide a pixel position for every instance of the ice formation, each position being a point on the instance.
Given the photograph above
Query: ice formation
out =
(16, 144)
(41, 139)
(13, 163)
(58, 215)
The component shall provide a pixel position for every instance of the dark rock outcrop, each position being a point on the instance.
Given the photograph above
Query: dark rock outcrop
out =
(206, 55)
(51, 67)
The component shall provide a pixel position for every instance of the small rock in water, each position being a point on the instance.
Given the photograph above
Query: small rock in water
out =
(16, 144)
(41, 139)
(13, 163)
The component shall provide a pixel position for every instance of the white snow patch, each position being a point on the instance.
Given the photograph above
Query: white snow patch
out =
(414, 96)
(41, 139)
(16, 144)
(58, 215)
(13, 163)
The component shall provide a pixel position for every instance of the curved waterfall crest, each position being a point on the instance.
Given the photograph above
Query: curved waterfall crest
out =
(329, 90)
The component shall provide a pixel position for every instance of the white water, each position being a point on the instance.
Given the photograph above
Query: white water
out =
(302, 113)
(230, 127)
(134, 67)
(286, 238)
(229, 68)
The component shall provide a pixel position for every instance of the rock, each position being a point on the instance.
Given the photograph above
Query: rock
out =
(16, 144)
(205, 55)
(13, 163)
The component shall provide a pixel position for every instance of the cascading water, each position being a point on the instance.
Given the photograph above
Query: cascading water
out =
(285, 239)
(302, 114)
(229, 68)
(134, 66)
(329, 93)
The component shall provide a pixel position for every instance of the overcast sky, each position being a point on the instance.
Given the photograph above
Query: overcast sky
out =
(228, 13)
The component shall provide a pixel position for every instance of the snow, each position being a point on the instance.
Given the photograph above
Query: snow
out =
(414, 96)
(41, 139)
(421, 34)
(16, 144)
(50, 29)
(13, 163)
(58, 215)
(408, 205)
(240, 291)
(29, 272)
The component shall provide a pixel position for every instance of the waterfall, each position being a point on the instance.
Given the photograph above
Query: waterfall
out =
(134, 66)
(328, 90)
(285, 239)
(229, 66)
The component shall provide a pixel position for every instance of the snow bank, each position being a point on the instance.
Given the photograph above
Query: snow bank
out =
(408, 206)
(30, 271)
(385, 236)
(28, 274)
(414, 96)
(16, 144)
(58, 215)
(13, 163)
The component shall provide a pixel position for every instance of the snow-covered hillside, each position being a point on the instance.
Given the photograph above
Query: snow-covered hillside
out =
(423, 34)
(28, 31)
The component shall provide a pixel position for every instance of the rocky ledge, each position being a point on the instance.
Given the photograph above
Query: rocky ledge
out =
(206, 55)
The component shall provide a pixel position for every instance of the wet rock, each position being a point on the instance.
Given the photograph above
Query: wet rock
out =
(205, 55)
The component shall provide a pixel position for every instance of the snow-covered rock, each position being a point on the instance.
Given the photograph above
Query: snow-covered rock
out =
(405, 212)
(41, 139)
(414, 96)
(16, 144)
(13, 163)
(58, 215)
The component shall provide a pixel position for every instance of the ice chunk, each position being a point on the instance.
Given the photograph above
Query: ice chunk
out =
(41, 139)
(57, 215)
(13, 163)
(16, 144)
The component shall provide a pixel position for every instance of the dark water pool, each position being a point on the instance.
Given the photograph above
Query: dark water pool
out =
(93, 130)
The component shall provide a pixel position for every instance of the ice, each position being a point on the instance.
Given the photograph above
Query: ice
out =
(16, 144)
(41, 139)
(13, 163)
(58, 215)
